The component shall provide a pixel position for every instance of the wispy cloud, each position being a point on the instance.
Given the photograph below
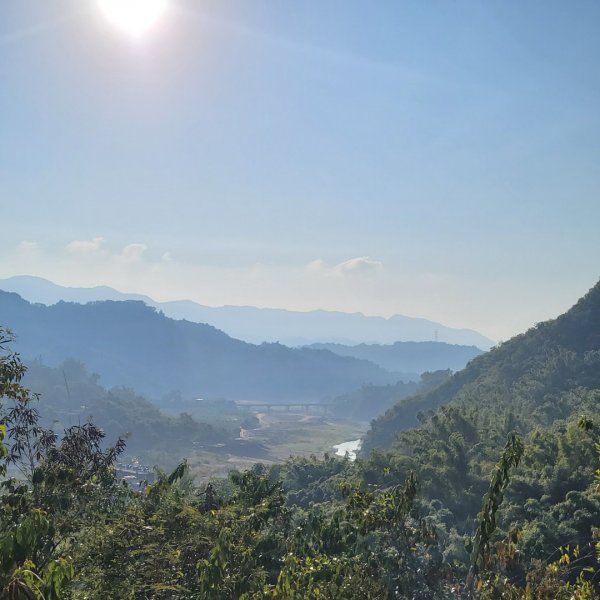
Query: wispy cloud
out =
(361, 264)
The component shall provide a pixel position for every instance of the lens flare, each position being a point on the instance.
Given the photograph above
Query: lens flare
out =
(133, 16)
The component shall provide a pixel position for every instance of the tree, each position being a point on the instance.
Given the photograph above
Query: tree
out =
(65, 481)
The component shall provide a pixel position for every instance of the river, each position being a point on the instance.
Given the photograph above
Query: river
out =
(351, 448)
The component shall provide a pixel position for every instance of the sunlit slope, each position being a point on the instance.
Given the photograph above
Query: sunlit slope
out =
(534, 378)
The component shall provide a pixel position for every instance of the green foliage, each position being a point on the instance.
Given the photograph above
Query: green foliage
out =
(511, 457)
(67, 483)
(536, 376)
(373, 400)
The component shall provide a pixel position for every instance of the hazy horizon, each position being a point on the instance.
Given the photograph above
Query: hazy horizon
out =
(430, 160)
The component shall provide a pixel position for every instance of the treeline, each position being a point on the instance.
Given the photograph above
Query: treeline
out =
(70, 530)
(531, 377)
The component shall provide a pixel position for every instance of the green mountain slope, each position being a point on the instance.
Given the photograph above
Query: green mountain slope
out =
(537, 385)
(533, 379)
(371, 401)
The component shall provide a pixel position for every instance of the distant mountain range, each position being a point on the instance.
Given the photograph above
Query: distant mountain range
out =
(129, 343)
(408, 357)
(256, 325)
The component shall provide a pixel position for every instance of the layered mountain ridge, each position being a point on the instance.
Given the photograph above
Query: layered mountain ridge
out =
(129, 343)
(257, 325)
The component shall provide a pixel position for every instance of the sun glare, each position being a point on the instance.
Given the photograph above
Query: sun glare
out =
(133, 16)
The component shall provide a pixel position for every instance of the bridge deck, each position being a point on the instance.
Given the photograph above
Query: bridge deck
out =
(268, 406)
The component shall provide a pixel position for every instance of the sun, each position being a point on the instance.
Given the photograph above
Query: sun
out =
(133, 16)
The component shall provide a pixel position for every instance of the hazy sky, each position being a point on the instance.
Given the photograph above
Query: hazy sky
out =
(434, 159)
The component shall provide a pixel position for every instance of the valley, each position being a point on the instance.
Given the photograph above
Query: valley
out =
(298, 470)
(278, 437)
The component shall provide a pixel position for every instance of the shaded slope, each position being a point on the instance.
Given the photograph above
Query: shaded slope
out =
(70, 395)
(131, 344)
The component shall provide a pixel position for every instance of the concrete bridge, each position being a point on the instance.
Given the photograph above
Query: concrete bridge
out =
(306, 407)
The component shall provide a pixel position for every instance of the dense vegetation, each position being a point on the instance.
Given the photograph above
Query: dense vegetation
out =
(533, 379)
(494, 495)
(537, 384)
(370, 401)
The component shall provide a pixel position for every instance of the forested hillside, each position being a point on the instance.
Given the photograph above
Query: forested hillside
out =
(533, 379)
(543, 385)
(71, 395)
(371, 401)
(131, 344)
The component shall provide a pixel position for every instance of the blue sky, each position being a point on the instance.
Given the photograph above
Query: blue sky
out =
(435, 159)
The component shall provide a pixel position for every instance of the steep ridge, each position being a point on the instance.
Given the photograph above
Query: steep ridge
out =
(131, 344)
(535, 378)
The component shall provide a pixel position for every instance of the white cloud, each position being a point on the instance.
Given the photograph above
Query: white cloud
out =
(84, 247)
(361, 265)
(317, 265)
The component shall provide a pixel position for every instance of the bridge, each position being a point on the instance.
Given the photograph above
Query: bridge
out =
(306, 407)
